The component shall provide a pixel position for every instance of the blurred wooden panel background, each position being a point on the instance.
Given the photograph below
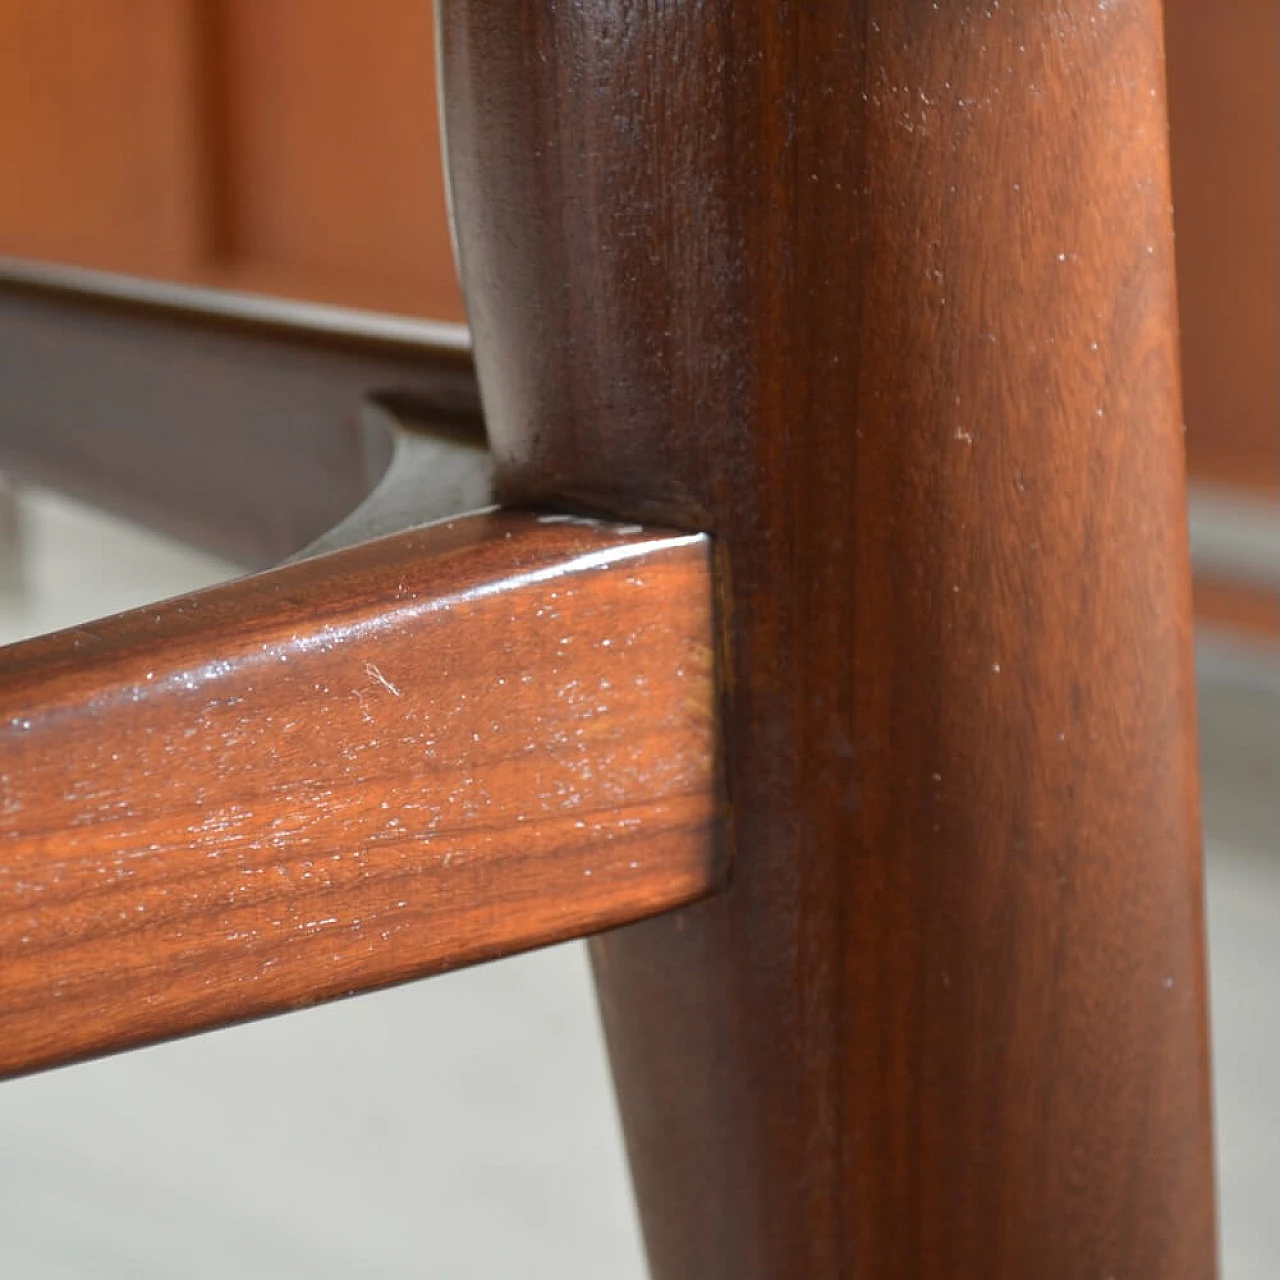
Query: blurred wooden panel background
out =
(291, 147)
(329, 146)
(1224, 110)
(1224, 70)
(282, 146)
(102, 154)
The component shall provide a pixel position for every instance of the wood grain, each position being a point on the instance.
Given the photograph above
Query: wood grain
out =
(433, 749)
(881, 293)
(204, 140)
(229, 421)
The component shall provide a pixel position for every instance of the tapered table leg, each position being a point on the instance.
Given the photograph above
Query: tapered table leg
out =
(881, 293)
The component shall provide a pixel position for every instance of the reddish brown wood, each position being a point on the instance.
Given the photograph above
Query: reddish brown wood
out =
(230, 422)
(203, 139)
(433, 749)
(880, 292)
(1224, 108)
(101, 139)
(285, 146)
(337, 193)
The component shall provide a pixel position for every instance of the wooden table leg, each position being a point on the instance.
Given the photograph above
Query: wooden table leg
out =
(881, 293)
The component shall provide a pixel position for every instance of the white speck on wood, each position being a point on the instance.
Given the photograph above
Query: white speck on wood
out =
(374, 674)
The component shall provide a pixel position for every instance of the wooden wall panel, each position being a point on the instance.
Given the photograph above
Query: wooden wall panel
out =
(1224, 108)
(1224, 80)
(101, 145)
(334, 183)
(282, 146)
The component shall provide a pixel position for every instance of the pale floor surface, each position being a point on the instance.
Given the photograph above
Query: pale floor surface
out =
(464, 1127)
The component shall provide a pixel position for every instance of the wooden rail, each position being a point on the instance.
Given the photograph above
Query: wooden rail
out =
(431, 749)
(227, 420)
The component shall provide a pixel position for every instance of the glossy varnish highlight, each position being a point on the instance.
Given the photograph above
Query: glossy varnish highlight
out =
(881, 292)
(433, 749)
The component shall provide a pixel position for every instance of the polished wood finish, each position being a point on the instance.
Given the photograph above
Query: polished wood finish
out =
(881, 293)
(430, 750)
(229, 422)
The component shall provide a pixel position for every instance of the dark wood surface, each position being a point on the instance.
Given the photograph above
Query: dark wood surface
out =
(229, 421)
(429, 750)
(882, 294)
